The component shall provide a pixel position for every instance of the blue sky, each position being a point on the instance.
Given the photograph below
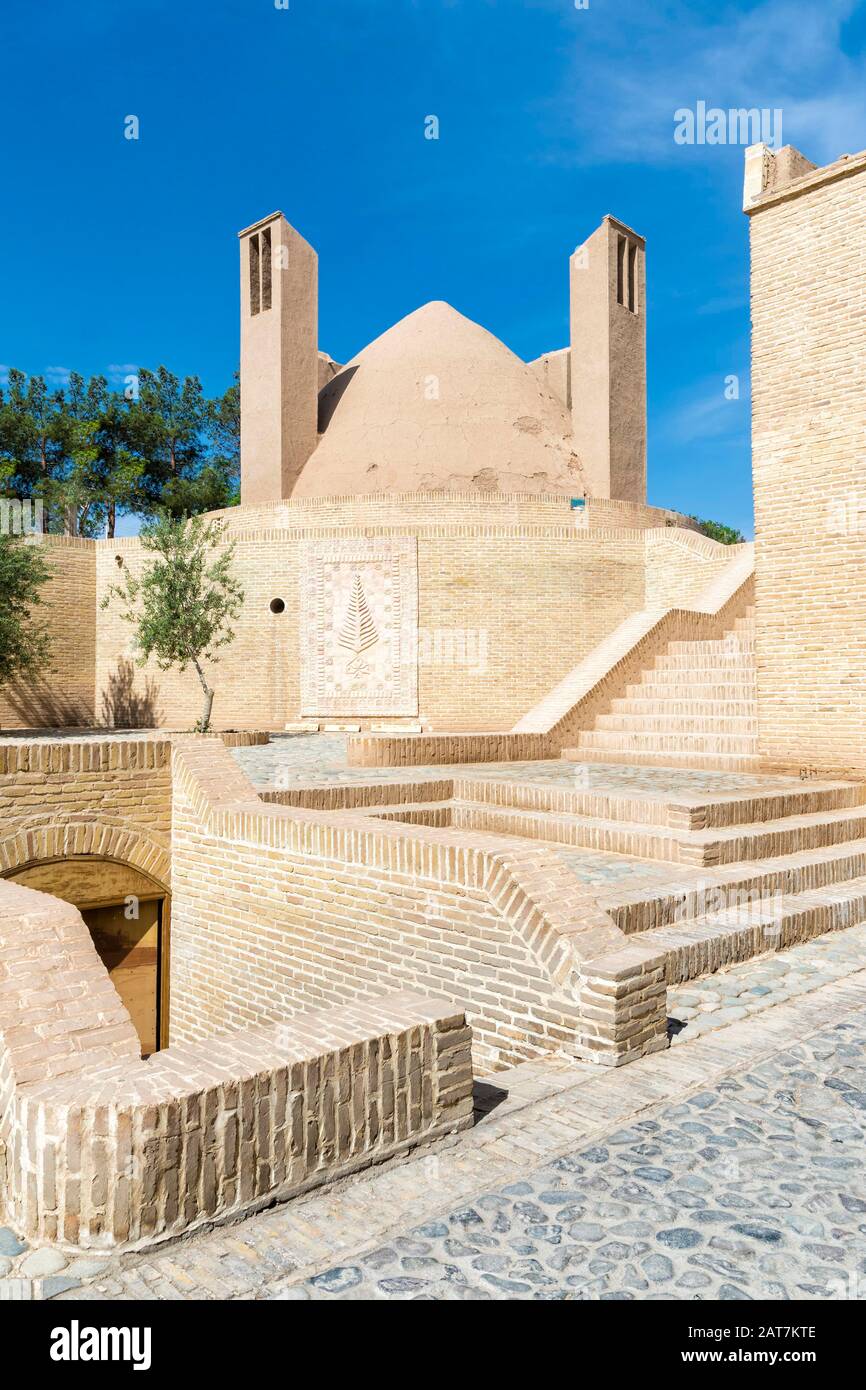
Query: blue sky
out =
(120, 253)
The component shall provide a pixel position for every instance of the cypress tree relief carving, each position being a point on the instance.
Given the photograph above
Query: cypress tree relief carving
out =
(358, 632)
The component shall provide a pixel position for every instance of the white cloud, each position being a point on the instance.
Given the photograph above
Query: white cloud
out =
(705, 413)
(627, 81)
(119, 371)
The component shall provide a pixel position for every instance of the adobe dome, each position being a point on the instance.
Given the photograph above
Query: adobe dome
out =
(438, 404)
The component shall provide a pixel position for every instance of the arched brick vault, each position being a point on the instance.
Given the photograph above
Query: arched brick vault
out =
(43, 840)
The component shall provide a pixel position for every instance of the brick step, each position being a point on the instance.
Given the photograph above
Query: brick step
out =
(708, 943)
(645, 909)
(735, 663)
(706, 848)
(787, 835)
(672, 722)
(712, 709)
(436, 813)
(716, 762)
(678, 810)
(582, 832)
(723, 646)
(638, 741)
(711, 679)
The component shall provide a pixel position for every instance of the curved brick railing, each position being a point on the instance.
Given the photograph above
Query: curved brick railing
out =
(99, 1148)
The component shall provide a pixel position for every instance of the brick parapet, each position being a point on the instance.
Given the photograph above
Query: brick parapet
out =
(103, 1149)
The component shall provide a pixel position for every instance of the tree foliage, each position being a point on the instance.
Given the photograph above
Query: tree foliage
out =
(183, 605)
(25, 637)
(718, 531)
(91, 454)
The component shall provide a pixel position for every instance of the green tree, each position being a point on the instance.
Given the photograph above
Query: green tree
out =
(25, 638)
(79, 485)
(90, 454)
(31, 448)
(224, 436)
(717, 531)
(183, 606)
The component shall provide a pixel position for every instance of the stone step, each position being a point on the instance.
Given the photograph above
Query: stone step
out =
(712, 709)
(682, 742)
(706, 944)
(672, 722)
(649, 907)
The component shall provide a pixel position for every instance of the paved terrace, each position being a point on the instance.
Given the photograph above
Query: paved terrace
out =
(316, 761)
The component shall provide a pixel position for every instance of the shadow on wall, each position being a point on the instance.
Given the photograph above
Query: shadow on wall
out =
(40, 705)
(124, 707)
(331, 395)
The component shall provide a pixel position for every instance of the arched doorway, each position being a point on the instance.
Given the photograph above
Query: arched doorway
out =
(127, 913)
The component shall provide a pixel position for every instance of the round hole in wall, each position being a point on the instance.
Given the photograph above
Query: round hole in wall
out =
(278, 605)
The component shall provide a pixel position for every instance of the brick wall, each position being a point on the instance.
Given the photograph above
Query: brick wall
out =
(498, 579)
(103, 797)
(808, 253)
(64, 695)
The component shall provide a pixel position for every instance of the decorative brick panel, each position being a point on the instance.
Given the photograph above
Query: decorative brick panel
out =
(359, 627)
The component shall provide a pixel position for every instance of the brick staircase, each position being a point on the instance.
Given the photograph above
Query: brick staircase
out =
(694, 707)
(727, 875)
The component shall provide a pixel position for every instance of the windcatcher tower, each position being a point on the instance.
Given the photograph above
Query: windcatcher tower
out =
(279, 358)
(607, 281)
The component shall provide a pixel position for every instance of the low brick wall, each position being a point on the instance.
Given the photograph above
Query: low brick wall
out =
(99, 1148)
(427, 750)
(277, 907)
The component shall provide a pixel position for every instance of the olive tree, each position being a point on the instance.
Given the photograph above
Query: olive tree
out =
(185, 601)
(25, 638)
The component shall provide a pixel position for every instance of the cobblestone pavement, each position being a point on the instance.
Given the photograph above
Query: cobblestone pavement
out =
(752, 1189)
(714, 1001)
(732, 1166)
(292, 759)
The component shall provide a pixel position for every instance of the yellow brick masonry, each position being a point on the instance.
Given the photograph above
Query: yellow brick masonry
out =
(99, 1148)
(587, 691)
(808, 253)
(64, 695)
(86, 796)
(277, 907)
(511, 571)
